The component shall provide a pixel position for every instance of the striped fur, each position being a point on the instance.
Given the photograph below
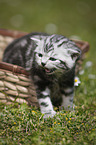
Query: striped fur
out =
(51, 61)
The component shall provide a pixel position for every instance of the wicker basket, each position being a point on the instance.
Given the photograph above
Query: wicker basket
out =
(15, 85)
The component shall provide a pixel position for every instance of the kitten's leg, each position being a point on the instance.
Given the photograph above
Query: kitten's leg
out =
(45, 103)
(67, 98)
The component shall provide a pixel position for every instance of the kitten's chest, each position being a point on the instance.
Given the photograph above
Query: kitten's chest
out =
(56, 94)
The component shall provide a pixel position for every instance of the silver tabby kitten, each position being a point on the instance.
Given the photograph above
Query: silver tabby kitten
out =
(51, 60)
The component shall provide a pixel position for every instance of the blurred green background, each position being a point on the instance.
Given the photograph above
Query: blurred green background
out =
(75, 18)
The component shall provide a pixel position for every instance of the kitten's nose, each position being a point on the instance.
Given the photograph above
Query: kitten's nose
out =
(43, 64)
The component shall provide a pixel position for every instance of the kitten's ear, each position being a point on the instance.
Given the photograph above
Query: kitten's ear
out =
(75, 54)
(36, 39)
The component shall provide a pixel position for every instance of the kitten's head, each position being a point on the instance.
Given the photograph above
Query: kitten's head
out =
(55, 53)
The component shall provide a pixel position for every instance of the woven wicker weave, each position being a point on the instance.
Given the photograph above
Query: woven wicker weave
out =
(15, 85)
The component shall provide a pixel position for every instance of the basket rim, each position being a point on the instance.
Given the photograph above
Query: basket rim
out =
(12, 33)
(15, 69)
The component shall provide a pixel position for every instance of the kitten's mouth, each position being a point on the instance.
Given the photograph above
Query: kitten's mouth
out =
(49, 71)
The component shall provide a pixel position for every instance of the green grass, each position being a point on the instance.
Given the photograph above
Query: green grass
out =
(22, 124)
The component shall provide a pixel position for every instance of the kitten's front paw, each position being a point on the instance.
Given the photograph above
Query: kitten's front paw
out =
(49, 114)
(70, 108)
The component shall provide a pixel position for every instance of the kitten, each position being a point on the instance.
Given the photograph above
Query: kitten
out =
(51, 60)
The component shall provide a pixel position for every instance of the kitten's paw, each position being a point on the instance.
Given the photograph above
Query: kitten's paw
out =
(49, 114)
(68, 108)
(74, 106)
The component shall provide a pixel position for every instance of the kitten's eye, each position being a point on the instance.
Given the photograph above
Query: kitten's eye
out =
(53, 59)
(40, 55)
